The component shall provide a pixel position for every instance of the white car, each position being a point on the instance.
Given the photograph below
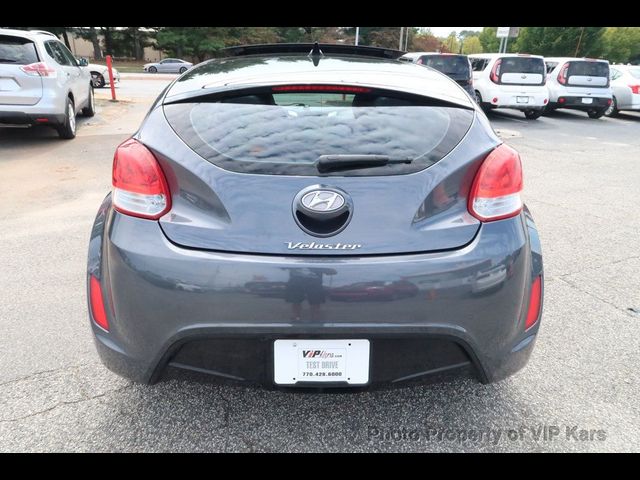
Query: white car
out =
(100, 75)
(510, 80)
(625, 86)
(579, 84)
(42, 83)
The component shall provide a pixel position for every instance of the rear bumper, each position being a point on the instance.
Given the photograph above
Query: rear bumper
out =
(577, 102)
(173, 309)
(22, 119)
(525, 98)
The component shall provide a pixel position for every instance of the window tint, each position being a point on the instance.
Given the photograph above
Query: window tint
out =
(550, 66)
(522, 65)
(448, 64)
(588, 69)
(16, 50)
(285, 133)
(55, 52)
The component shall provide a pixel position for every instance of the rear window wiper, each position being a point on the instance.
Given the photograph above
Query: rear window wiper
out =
(328, 163)
(7, 60)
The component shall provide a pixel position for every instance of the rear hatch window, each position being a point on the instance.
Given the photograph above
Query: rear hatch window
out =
(454, 66)
(521, 70)
(286, 132)
(588, 73)
(17, 51)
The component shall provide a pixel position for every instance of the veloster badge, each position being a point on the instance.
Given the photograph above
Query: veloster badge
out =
(322, 246)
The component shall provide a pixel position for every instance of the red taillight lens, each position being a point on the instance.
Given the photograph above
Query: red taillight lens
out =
(139, 185)
(495, 193)
(635, 89)
(534, 303)
(321, 88)
(97, 303)
(562, 76)
(39, 69)
(495, 72)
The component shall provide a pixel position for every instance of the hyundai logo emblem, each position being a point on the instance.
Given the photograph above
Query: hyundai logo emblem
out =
(323, 201)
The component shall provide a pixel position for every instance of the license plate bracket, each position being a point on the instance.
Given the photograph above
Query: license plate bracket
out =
(299, 362)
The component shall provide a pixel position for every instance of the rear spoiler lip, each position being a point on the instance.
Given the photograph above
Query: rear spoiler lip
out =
(306, 48)
(213, 93)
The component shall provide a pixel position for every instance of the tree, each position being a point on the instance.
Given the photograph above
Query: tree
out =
(471, 45)
(451, 43)
(425, 42)
(488, 40)
(621, 44)
(561, 41)
(91, 34)
(197, 42)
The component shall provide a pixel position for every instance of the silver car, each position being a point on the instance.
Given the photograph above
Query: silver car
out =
(42, 83)
(168, 65)
(625, 83)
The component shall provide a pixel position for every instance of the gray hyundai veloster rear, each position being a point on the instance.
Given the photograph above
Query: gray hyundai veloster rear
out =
(324, 218)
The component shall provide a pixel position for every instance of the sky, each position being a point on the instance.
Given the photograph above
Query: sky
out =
(445, 31)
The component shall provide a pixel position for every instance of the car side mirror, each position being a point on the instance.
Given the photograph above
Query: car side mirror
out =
(83, 62)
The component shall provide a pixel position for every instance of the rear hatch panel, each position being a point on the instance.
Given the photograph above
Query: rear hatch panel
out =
(217, 209)
(16, 87)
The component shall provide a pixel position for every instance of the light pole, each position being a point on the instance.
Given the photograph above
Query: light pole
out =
(357, 34)
(401, 34)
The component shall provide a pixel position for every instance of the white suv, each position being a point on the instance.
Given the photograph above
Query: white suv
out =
(509, 80)
(580, 84)
(42, 83)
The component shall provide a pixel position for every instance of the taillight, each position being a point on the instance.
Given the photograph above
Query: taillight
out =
(96, 299)
(535, 298)
(635, 89)
(495, 72)
(562, 76)
(38, 69)
(495, 193)
(139, 185)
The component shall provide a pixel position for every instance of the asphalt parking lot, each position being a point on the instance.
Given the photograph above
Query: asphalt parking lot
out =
(579, 392)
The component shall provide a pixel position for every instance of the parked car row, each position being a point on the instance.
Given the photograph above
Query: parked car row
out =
(535, 85)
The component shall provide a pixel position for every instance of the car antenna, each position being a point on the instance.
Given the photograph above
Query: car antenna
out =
(316, 54)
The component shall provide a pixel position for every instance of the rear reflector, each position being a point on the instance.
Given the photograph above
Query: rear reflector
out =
(39, 69)
(534, 303)
(97, 303)
(139, 185)
(495, 193)
(321, 88)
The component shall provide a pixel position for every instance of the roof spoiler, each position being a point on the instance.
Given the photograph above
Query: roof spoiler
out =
(308, 48)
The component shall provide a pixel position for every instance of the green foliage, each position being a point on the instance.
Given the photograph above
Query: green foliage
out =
(197, 42)
(490, 43)
(561, 41)
(621, 44)
(471, 45)
(451, 43)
